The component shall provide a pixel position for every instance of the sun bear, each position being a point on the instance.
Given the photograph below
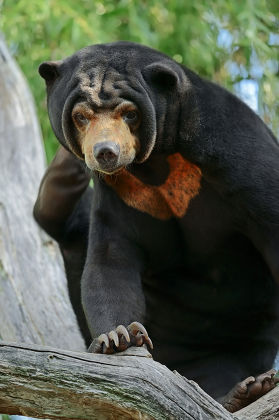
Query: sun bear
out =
(178, 240)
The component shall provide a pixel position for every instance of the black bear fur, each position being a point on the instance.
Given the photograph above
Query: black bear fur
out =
(205, 285)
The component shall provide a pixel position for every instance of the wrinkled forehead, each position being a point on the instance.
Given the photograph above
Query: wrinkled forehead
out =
(102, 85)
(105, 72)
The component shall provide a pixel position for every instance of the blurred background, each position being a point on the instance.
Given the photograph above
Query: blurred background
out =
(234, 42)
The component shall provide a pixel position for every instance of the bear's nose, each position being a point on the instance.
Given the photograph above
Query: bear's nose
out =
(106, 152)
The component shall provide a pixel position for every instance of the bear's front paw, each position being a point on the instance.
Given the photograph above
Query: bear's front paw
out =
(120, 339)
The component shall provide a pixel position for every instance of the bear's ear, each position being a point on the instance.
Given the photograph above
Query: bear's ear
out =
(49, 70)
(161, 74)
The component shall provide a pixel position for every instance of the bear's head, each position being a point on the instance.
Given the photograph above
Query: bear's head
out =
(114, 104)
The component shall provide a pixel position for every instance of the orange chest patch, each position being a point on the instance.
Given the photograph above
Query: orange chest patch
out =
(171, 199)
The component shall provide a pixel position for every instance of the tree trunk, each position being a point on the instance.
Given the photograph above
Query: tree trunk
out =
(34, 302)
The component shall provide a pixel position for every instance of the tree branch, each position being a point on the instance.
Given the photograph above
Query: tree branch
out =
(50, 383)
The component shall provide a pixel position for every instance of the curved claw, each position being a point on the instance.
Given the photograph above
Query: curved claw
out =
(148, 341)
(103, 338)
(136, 327)
(113, 337)
(98, 343)
(122, 330)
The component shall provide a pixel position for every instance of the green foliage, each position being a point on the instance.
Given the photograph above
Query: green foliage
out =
(224, 40)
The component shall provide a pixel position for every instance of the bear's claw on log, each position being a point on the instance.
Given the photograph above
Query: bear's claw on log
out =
(120, 339)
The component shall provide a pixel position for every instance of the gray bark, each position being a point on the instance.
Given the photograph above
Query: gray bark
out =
(57, 384)
(266, 408)
(34, 303)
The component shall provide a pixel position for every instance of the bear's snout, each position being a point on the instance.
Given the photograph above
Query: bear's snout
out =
(106, 154)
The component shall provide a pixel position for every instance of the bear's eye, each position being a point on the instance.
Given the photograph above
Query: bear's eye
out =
(81, 119)
(130, 117)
